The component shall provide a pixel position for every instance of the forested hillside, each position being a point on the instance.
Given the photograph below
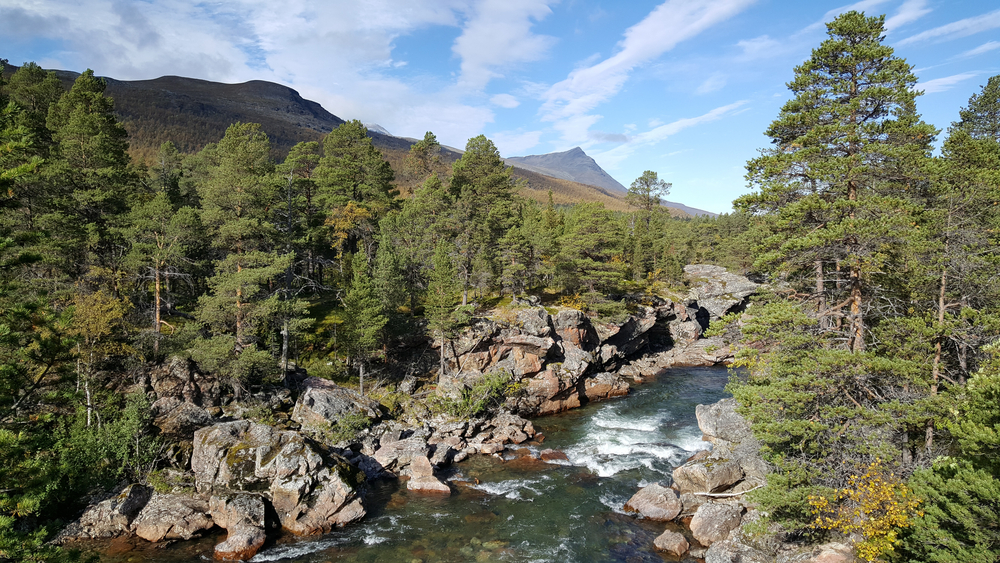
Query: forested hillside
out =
(251, 267)
(872, 362)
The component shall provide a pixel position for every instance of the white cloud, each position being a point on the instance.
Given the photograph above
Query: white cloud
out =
(611, 158)
(910, 11)
(984, 48)
(511, 143)
(568, 102)
(942, 84)
(497, 36)
(505, 101)
(759, 47)
(711, 84)
(960, 28)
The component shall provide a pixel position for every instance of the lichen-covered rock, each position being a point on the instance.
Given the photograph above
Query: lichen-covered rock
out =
(728, 551)
(716, 291)
(655, 502)
(172, 517)
(720, 421)
(311, 491)
(671, 542)
(323, 402)
(242, 516)
(180, 379)
(178, 419)
(574, 327)
(713, 521)
(534, 321)
(111, 517)
(397, 455)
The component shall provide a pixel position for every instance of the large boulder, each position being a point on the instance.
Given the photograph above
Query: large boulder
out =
(172, 517)
(312, 491)
(180, 379)
(396, 455)
(720, 421)
(178, 419)
(715, 292)
(729, 551)
(713, 521)
(707, 475)
(534, 321)
(422, 479)
(110, 518)
(605, 385)
(574, 327)
(655, 502)
(621, 341)
(323, 402)
(242, 516)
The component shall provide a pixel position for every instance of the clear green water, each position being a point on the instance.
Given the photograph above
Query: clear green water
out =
(521, 509)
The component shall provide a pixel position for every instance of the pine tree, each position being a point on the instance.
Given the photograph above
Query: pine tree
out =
(160, 238)
(832, 189)
(365, 317)
(483, 190)
(981, 119)
(439, 308)
(237, 202)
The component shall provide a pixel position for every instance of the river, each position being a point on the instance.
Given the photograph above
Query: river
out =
(521, 509)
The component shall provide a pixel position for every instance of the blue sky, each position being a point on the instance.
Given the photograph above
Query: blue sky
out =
(683, 87)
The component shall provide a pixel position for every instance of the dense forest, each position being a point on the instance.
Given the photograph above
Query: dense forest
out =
(251, 268)
(872, 367)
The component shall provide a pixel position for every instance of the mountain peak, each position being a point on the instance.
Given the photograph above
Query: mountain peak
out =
(574, 164)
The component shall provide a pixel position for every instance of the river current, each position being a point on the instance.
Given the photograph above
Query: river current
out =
(520, 509)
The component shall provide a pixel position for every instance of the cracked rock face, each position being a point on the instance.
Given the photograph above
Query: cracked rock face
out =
(713, 521)
(311, 491)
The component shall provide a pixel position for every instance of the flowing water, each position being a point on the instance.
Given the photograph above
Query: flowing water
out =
(521, 509)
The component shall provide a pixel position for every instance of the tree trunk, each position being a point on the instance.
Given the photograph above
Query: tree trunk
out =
(156, 311)
(361, 377)
(821, 296)
(441, 370)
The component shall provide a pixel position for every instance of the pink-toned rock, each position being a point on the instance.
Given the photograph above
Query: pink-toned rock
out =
(422, 479)
(242, 515)
(655, 502)
(671, 542)
(172, 517)
(552, 455)
(491, 448)
(833, 553)
(713, 522)
(604, 386)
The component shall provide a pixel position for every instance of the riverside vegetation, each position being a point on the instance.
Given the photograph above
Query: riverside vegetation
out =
(872, 366)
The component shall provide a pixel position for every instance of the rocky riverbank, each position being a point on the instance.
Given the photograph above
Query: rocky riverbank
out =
(299, 472)
(707, 496)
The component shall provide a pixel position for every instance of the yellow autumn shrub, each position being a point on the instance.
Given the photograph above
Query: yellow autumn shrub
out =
(874, 505)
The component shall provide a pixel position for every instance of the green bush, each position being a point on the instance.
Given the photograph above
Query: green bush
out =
(485, 395)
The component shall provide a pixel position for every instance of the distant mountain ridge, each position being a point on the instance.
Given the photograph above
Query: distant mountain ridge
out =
(191, 113)
(575, 165)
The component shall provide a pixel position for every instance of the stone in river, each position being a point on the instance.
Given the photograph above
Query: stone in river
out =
(671, 542)
(655, 502)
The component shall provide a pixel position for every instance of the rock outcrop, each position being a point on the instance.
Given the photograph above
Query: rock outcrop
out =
(322, 402)
(172, 517)
(242, 516)
(179, 378)
(311, 491)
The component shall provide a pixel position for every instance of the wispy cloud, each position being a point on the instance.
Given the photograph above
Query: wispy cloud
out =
(960, 28)
(759, 47)
(497, 36)
(511, 143)
(909, 12)
(945, 83)
(611, 158)
(862, 6)
(569, 102)
(984, 48)
(712, 84)
(505, 101)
